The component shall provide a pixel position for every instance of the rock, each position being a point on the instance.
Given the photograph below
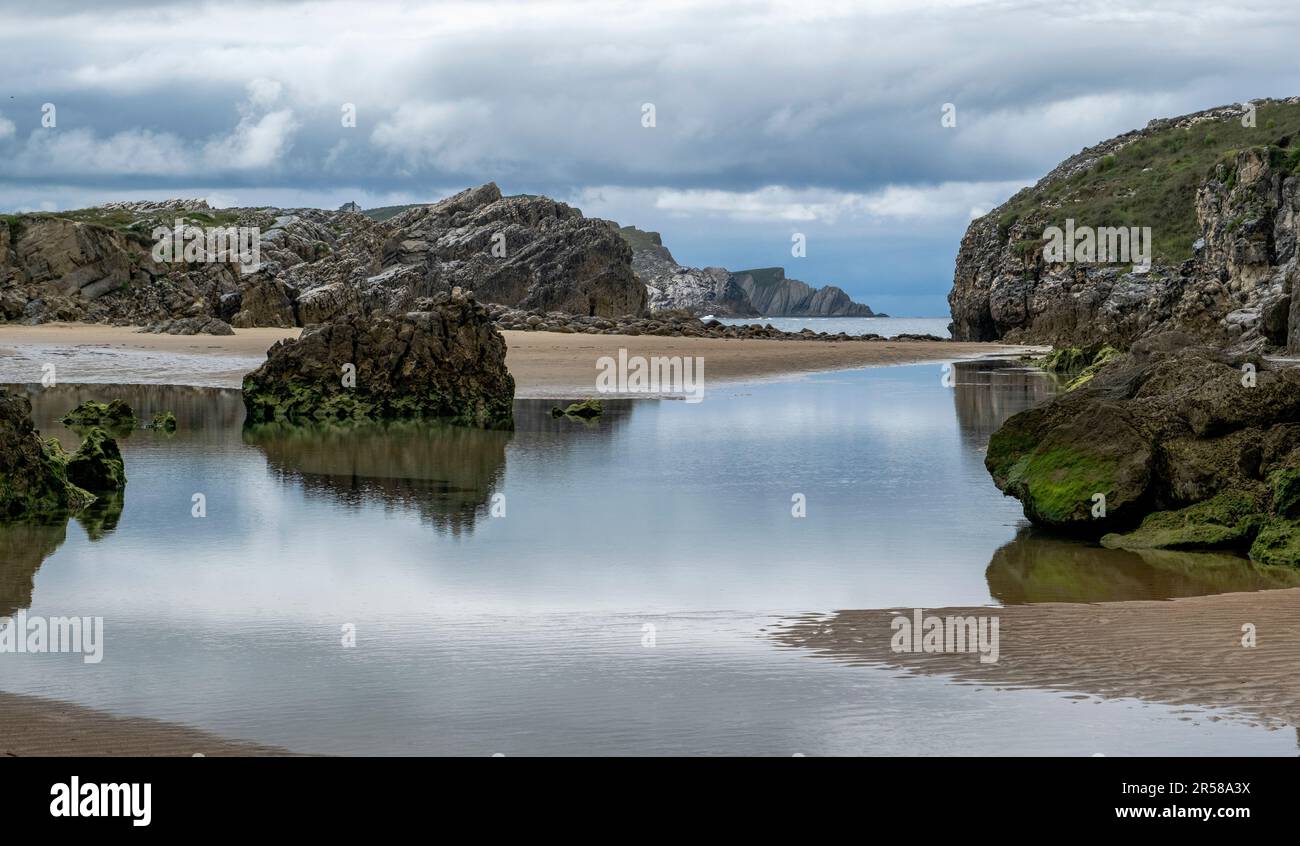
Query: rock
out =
(33, 479)
(163, 421)
(97, 464)
(264, 301)
(112, 415)
(189, 326)
(1224, 217)
(1185, 452)
(525, 251)
(446, 363)
(715, 290)
(587, 409)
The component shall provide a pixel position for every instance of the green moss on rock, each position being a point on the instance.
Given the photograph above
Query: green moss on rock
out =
(97, 463)
(1230, 519)
(587, 409)
(111, 415)
(1278, 542)
(164, 421)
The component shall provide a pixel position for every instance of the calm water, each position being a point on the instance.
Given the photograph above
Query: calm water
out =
(523, 633)
(887, 327)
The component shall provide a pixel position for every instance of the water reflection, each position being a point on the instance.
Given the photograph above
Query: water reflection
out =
(1038, 567)
(446, 474)
(24, 546)
(987, 392)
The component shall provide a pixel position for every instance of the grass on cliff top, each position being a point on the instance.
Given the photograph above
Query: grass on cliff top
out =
(127, 221)
(639, 239)
(1153, 181)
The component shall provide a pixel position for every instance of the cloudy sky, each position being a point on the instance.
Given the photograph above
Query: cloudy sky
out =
(770, 118)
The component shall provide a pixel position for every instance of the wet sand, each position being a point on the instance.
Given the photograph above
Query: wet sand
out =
(544, 364)
(1178, 652)
(31, 727)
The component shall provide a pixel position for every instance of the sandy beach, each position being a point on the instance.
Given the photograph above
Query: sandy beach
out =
(544, 364)
(1178, 652)
(40, 727)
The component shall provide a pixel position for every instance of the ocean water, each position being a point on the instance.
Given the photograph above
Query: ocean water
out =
(580, 589)
(886, 327)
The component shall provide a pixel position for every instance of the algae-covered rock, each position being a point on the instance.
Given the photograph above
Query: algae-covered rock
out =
(97, 463)
(112, 415)
(1229, 519)
(1167, 447)
(445, 363)
(163, 421)
(33, 477)
(587, 410)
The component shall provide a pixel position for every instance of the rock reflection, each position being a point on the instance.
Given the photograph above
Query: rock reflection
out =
(24, 546)
(1040, 567)
(988, 391)
(446, 474)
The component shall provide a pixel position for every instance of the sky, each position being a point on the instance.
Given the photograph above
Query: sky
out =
(771, 120)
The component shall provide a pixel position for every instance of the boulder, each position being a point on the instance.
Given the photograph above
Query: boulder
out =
(33, 477)
(1169, 446)
(97, 465)
(112, 415)
(447, 362)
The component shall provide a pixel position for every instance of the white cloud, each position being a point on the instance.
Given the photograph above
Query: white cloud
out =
(7, 128)
(951, 201)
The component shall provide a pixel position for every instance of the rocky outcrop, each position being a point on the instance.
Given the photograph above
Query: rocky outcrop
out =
(97, 464)
(116, 414)
(1170, 446)
(670, 286)
(525, 251)
(33, 475)
(772, 294)
(189, 326)
(1222, 201)
(444, 362)
(312, 265)
(676, 325)
(720, 292)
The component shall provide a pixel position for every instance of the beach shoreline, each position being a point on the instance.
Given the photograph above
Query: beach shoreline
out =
(31, 726)
(545, 365)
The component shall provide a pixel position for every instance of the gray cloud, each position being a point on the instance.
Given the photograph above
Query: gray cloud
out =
(837, 103)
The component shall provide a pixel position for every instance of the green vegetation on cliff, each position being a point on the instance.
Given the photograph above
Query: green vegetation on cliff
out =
(1153, 180)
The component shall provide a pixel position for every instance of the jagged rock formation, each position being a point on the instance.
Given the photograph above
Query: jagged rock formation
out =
(445, 361)
(1171, 446)
(1222, 200)
(670, 286)
(313, 265)
(720, 292)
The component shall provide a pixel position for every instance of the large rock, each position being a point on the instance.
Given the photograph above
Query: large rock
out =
(1188, 446)
(525, 251)
(33, 476)
(97, 464)
(446, 362)
(1222, 201)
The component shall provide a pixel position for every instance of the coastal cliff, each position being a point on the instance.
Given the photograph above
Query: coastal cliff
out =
(1218, 192)
(743, 293)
